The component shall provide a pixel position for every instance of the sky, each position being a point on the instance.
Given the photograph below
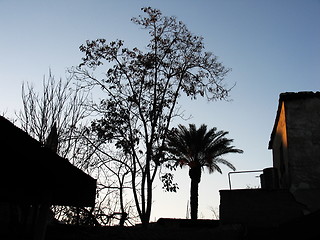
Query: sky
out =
(272, 47)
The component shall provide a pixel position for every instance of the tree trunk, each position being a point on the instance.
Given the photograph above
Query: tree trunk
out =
(195, 175)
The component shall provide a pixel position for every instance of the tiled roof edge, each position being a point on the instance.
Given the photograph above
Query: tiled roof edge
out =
(298, 95)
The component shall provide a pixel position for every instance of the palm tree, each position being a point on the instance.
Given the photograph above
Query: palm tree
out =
(198, 149)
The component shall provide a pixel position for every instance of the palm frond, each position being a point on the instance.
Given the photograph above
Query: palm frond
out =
(214, 167)
(225, 162)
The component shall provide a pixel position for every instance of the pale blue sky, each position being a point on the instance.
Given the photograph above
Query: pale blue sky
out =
(272, 47)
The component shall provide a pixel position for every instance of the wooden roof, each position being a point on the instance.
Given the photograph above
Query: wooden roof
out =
(31, 173)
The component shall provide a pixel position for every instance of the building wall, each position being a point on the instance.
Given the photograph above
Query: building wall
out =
(295, 143)
(303, 128)
(280, 150)
(258, 207)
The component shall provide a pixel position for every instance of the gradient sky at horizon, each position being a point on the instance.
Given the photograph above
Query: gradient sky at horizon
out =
(272, 47)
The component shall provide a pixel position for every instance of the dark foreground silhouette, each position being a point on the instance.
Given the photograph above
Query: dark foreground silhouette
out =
(33, 178)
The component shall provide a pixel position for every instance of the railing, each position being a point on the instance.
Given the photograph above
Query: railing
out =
(251, 171)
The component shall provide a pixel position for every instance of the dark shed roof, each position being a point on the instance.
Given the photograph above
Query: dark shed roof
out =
(31, 173)
(289, 96)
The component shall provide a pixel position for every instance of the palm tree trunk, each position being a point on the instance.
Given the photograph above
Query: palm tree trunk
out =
(194, 199)
(195, 175)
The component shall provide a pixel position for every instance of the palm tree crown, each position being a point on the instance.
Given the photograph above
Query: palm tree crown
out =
(194, 147)
(199, 148)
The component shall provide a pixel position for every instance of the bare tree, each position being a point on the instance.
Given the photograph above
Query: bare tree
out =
(141, 92)
(115, 204)
(61, 107)
(61, 104)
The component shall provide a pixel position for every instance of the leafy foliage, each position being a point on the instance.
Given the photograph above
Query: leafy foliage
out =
(168, 183)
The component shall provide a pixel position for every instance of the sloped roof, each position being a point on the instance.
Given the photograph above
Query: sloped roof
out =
(289, 96)
(31, 173)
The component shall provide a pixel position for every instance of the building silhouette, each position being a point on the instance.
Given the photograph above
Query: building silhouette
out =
(290, 189)
(33, 178)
